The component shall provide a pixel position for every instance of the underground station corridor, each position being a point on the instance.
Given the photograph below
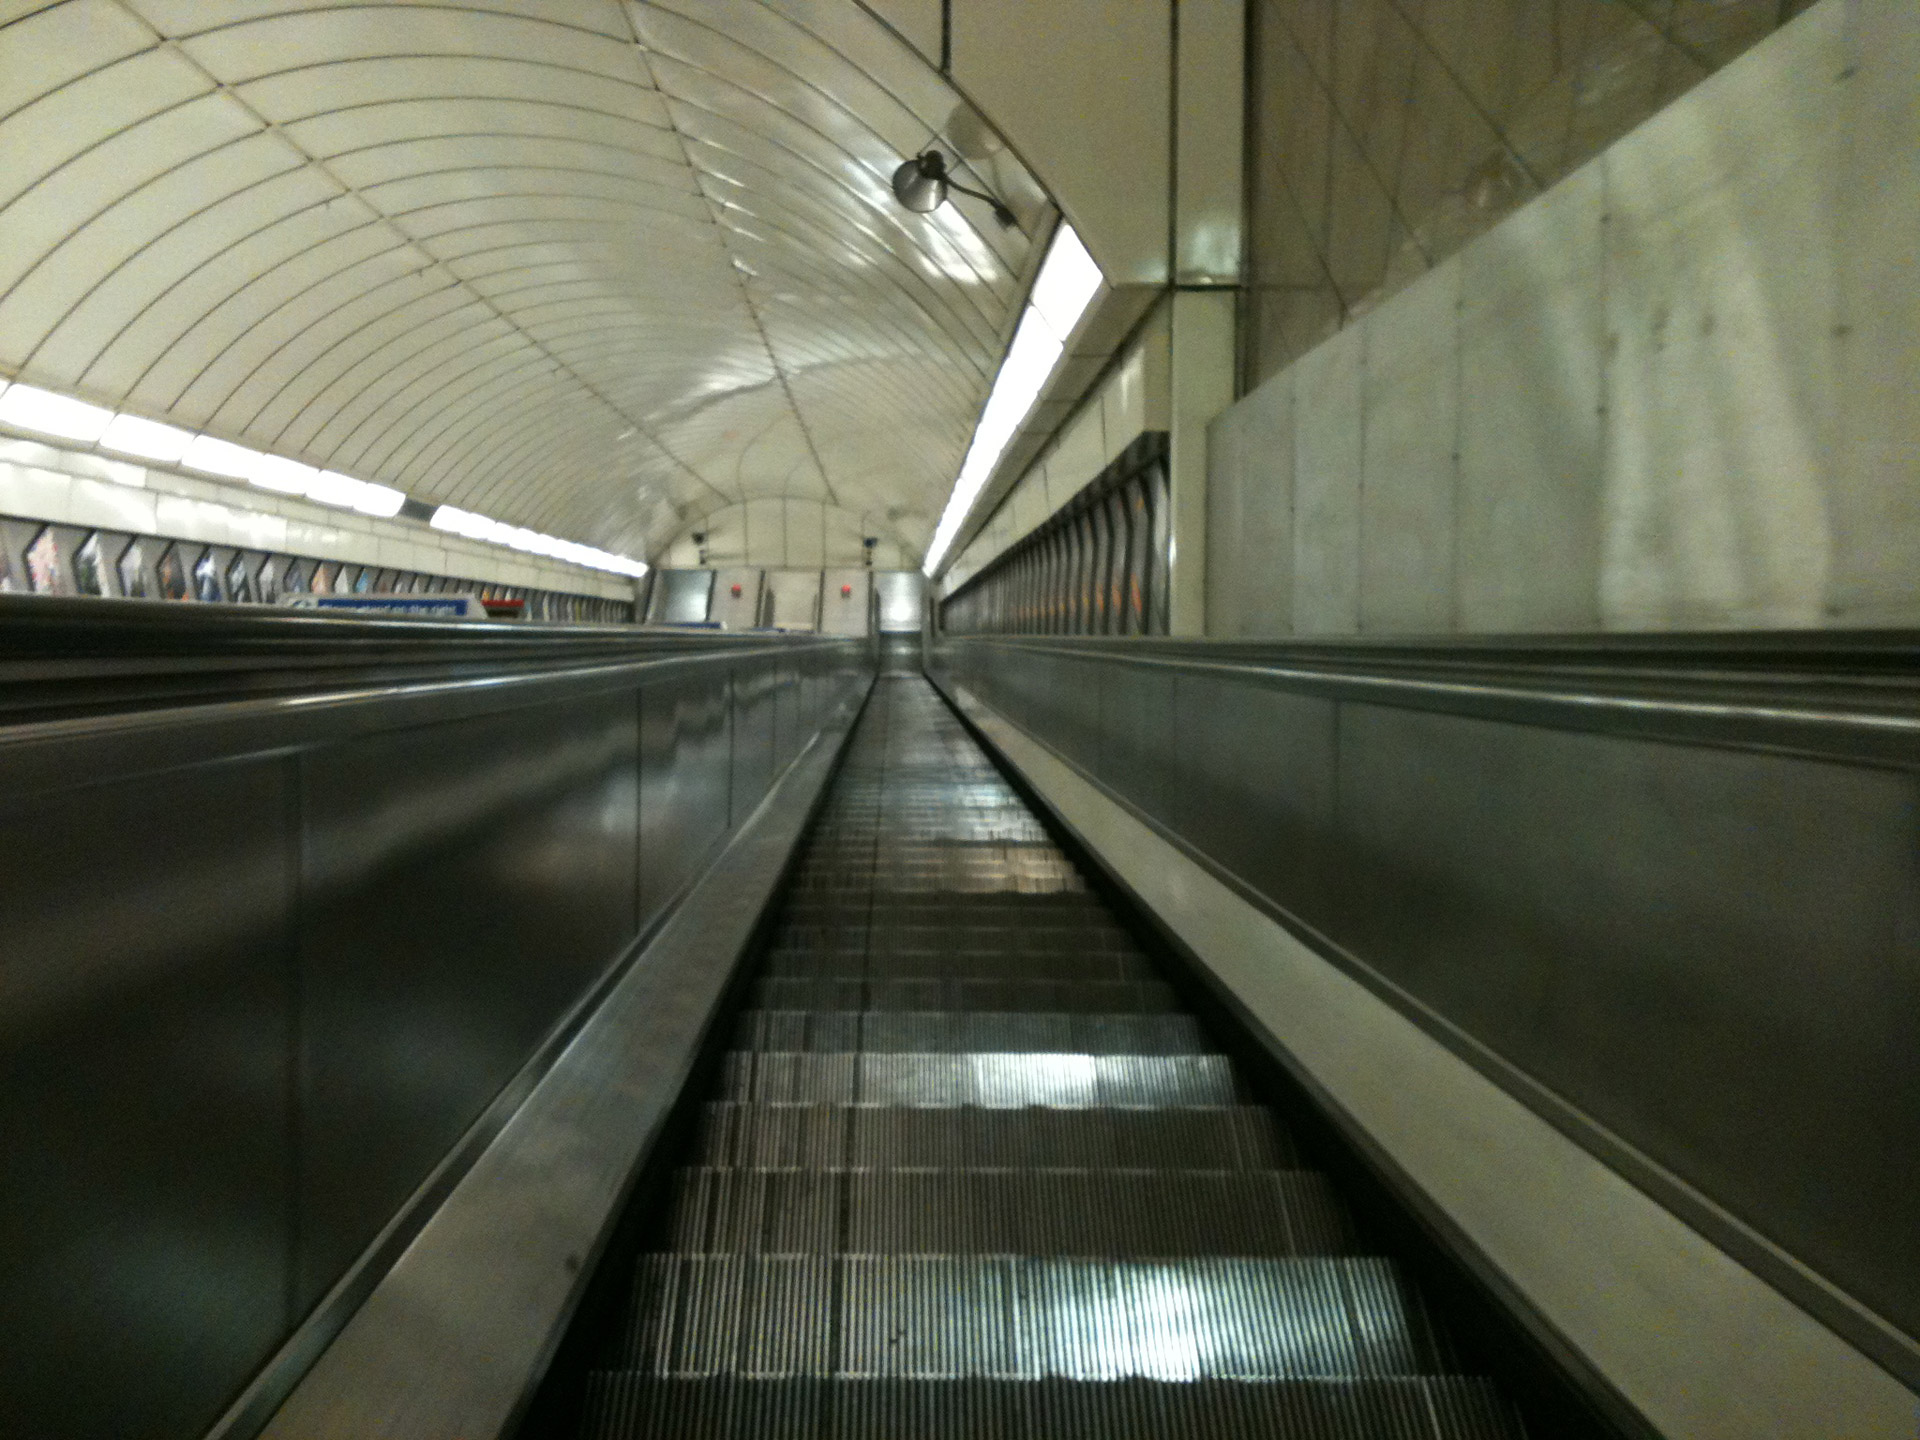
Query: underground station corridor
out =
(959, 720)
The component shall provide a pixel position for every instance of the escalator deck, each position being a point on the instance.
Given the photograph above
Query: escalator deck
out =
(971, 1171)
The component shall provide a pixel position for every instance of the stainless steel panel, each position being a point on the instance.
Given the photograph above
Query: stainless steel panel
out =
(438, 864)
(262, 960)
(145, 1013)
(753, 757)
(1255, 782)
(902, 595)
(1653, 902)
(681, 597)
(1710, 953)
(1138, 731)
(685, 775)
(796, 599)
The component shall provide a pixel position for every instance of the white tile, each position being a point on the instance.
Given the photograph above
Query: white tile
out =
(34, 493)
(112, 507)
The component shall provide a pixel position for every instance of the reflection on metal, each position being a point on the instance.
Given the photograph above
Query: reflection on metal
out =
(681, 597)
(969, 1171)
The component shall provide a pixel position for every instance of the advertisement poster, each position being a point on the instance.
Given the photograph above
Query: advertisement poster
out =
(43, 564)
(239, 582)
(172, 574)
(133, 571)
(89, 569)
(206, 579)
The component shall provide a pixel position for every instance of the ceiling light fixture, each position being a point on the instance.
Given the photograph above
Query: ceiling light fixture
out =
(921, 184)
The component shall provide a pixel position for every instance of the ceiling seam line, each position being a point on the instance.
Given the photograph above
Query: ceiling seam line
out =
(321, 167)
(734, 264)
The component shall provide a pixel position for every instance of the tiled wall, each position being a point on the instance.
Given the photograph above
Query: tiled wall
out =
(47, 482)
(1673, 392)
(1130, 401)
(1385, 134)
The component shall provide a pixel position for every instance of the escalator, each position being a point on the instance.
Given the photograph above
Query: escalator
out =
(971, 1170)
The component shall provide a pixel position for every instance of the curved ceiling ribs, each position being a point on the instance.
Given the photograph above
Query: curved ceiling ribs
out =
(597, 269)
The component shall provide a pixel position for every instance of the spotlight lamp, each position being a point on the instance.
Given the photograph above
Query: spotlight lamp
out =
(921, 184)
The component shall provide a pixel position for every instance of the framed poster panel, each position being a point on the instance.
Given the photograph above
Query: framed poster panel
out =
(170, 573)
(46, 575)
(209, 585)
(240, 588)
(92, 571)
(134, 567)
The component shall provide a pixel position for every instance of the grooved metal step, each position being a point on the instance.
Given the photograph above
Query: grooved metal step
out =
(960, 965)
(1112, 1213)
(624, 1403)
(1024, 1317)
(1100, 997)
(945, 1032)
(1242, 1137)
(994, 1081)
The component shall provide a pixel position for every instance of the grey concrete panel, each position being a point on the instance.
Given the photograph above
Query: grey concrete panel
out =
(1250, 515)
(1532, 333)
(1326, 487)
(1410, 460)
(1874, 506)
(1722, 304)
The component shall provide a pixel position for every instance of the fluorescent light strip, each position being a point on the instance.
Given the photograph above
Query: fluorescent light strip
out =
(45, 412)
(456, 521)
(1067, 282)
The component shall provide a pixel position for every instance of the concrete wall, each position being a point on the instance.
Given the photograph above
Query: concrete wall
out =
(1674, 391)
(1384, 136)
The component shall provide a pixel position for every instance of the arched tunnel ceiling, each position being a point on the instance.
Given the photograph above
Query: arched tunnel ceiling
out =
(596, 269)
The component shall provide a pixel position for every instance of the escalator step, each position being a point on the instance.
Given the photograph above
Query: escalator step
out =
(625, 1404)
(992, 1081)
(1106, 997)
(1021, 1317)
(892, 1137)
(1116, 1214)
(935, 1032)
(1066, 965)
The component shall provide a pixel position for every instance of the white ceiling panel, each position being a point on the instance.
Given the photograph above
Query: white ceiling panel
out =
(602, 270)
